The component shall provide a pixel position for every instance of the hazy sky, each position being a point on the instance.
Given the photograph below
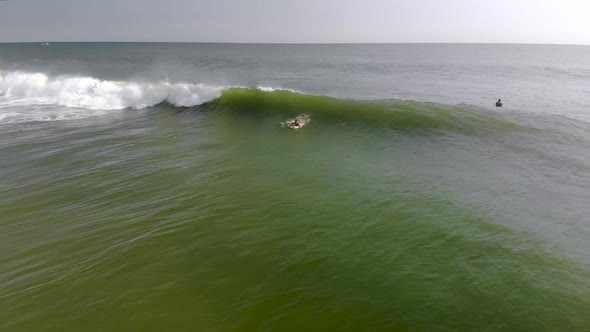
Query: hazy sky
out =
(313, 21)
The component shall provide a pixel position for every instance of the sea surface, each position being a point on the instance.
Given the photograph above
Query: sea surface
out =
(156, 187)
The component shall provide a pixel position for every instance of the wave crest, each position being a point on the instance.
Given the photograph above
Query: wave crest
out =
(95, 94)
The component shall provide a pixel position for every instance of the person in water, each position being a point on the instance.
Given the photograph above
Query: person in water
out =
(296, 123)
(499, 103)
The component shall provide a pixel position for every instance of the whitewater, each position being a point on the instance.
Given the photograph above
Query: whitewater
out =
(29, 91)
(94, 94)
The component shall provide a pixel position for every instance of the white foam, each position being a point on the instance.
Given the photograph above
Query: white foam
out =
(26, 96)
(271, 89)
(94, 94)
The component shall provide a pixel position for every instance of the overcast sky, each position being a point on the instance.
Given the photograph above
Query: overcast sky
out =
(297, 21)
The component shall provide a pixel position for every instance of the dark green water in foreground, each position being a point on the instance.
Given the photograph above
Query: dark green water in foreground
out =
(216, 218)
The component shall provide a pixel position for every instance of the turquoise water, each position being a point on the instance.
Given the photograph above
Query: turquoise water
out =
(381, 215)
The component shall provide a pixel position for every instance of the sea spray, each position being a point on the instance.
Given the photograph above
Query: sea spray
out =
(95, 94)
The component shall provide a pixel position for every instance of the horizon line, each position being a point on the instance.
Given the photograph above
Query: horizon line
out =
(291, 43)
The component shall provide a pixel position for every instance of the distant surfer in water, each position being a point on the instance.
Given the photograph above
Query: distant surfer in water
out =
(499, 103)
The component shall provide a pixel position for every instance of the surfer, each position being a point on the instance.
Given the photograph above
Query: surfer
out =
(499, 103)
(296, 123)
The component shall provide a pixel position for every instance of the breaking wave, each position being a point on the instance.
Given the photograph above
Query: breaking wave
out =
(95, 94)
(24, 95)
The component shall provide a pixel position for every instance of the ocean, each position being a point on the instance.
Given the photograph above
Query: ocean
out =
(156, 187)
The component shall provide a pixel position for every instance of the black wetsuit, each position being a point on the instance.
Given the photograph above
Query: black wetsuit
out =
(498, 104)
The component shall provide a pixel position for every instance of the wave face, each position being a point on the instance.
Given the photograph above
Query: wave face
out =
(87, 96)
(95, 94)
(395, 114)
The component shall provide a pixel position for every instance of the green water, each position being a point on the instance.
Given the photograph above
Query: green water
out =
(219, 219)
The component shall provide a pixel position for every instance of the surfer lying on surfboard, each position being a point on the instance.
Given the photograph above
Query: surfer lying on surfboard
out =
(296, 124)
